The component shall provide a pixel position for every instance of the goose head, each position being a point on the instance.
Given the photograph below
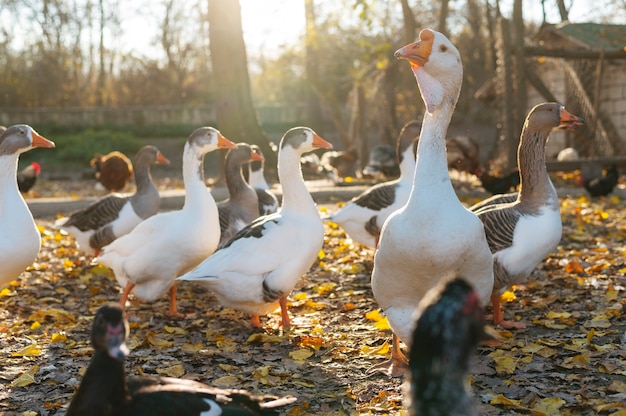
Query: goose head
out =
(21, 138)
(437, 66)
(256, 164)
(303, 139)
(207, 139)
(148, 155)
(243, 153)
(546, 117)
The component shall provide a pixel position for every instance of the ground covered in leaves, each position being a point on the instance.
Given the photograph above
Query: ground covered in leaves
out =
(571, 360)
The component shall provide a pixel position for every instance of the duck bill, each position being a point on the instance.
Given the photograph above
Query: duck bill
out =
(224, 143)
(418, 53)
(320, 143)
(570, 121)
(40, 141)
(257, 157)
(162, 159)
(115, 345)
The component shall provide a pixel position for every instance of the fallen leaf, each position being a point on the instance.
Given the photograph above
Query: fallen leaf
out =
(26, 378)
(176, 370)
(226, 381)
(156, 341)
(505, 363)
(301, 354)
(548, 406)
(381, 350)
(263, 338)
(31, 350)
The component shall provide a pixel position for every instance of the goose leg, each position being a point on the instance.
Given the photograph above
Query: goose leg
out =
(498, 318)
(173, 311)
(286, 322)
(255, 321)
(396, 365)
(129, 287)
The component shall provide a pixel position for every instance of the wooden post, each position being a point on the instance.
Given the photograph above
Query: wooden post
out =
(506, 80)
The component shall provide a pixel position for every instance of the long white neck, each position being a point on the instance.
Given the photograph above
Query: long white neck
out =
(407, 165)
(431, 168)
(8, 179)
(196, 191)
(296, 196)
(257, 179)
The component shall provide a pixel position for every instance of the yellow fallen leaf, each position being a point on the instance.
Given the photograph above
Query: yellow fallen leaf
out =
(262, 338)
(611, 294)
(155, 341)
(58, 315)
(176, 370)
(29, 351)
(301, 354)
(548, 406)
(226, 381)
(382, 350)
(617, 386)
(60, 337)
(192, 347)
(383, 324)
(5, 292)
(304, 384)
(175, 330)
(558, 315)
(25, 379)
(299, 296)
(374, 315)
(35, 325)
(62, 291)
(500, 399)
(507, 296)
(505, 363)
(349, 306)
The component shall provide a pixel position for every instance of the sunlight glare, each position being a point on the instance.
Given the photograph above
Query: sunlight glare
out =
(270, 25)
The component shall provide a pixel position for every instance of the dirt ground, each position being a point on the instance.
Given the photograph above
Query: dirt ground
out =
(571, 360)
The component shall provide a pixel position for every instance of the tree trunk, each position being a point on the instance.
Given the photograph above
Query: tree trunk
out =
(443, 17)
(562, 10)
(314, 109)
(520, 65)
(235, 114)
(410, 25)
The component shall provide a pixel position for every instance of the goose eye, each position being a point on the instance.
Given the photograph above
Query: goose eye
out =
(443, 48)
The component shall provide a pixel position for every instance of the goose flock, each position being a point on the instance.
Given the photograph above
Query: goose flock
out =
(437, 263)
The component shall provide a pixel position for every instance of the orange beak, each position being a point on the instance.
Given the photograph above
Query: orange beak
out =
(162, 159)
(257, 157)
(569, 121)
(417, 53)
(224, 143)
(320, 143)
(40, 141)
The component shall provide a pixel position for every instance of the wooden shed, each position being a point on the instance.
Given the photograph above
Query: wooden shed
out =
(582, 65)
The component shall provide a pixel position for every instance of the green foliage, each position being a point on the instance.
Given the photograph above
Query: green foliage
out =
(77, 148)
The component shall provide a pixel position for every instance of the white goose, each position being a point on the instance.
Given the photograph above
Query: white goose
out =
(242, 205)
(433, 237)
(268, 203)
(511, 227)
(115, 215)
(147, 260)
(363, 216)
(20, 239)
(260, 266)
